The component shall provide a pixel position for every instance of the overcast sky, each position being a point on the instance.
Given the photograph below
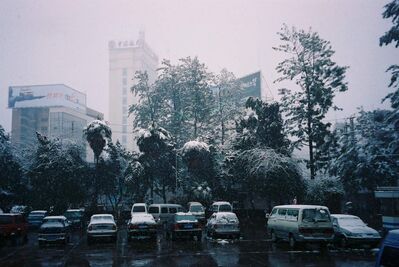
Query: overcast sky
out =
(66, 42)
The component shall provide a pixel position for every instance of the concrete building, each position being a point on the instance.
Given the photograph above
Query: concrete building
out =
(125, 58)
(55, 110)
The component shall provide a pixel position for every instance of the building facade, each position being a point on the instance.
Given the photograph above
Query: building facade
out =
(54, 110)
(125, 59)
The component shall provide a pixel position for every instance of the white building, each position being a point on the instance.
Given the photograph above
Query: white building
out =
(125, 58)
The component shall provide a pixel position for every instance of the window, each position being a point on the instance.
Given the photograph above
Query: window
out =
(153, 210)
(315, 215)
(172, 210)
(124, 120)
(124, 110)
(292, 214)
(124, 101)
(282, 212)
(124, 128)
(124, 139)
(124, 81)
(164, 210)
(124, 72)
(139, 209)
(124, 90)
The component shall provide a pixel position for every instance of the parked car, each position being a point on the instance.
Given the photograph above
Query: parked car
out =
(351, 230)
(20, 209)
(221, 206)
(54, 229)
(35, 218)
(163, 213)
(102, 226)
(389, 251)
(142, 226)
(139, 208)
(197, 210)
(224, 224)
(301, 224)
(13, 226)
(75, 217)
(184, 225)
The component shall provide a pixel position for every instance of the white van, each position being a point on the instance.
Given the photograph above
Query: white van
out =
(163, 213)
(221, 206)
(301, 224)
(139, 208)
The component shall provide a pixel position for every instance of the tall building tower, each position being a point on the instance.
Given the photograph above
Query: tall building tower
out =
(125, 58)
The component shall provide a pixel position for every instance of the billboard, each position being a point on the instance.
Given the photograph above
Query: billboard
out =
(46, 96)
(250, 85)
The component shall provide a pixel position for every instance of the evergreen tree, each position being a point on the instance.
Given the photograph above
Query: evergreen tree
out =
(158, 158)
(148, 110)
(318, 79)
(12, 186)
(58, 175)
(228, 101)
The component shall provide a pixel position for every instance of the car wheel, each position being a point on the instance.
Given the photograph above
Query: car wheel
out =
(343, 242)
(273, 236)
(292, 241)
(25, 240)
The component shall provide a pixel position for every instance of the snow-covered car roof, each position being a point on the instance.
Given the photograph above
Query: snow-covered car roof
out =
(221, 203)
(38, 212)
(139, 204)
(346, 216)
(74, 210)
(99, 218)
(227, 217)
(55, 218)
(194, 204)
(300, 207)
(185, 217)
(142, 218)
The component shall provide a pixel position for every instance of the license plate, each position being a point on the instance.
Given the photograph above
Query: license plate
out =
(143, 226)
(188, 226)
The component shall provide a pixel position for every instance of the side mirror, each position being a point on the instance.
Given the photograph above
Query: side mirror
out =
(267, 215)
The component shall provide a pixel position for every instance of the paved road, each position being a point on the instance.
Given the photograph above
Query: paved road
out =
(252, 250)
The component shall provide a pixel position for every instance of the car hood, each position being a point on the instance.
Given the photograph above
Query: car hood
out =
(359, 230)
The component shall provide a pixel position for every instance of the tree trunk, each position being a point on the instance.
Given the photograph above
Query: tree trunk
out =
(310, 134)
(164, 193)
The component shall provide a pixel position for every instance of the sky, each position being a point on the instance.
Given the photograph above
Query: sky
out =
(54, 41)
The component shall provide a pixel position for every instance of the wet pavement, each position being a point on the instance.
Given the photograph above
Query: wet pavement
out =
(253, 249)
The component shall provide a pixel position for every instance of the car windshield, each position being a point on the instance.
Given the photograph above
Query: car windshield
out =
(225, 207)
(53, 223)
(350, 222)
(315, 215)
(5, 219)
(53, 220)
(138, 209)
(73, 214)
(153, 210)
(196, 208)
(36, 216)
(185, 218)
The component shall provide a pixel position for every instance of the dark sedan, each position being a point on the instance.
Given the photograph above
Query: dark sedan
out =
(184, 225)
(55, 229)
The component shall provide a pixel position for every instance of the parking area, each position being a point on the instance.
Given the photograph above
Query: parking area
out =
(252, 249)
